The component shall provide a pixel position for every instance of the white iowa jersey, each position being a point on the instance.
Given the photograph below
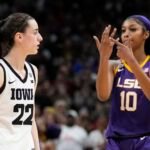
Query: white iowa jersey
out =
(16, 108)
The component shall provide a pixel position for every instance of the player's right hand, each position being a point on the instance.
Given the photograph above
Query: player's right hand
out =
(105, 44)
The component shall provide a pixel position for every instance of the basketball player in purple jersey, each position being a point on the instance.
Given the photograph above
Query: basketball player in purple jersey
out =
(127, 83)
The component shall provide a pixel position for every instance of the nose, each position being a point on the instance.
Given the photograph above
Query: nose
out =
(40, 38)
(126, 35)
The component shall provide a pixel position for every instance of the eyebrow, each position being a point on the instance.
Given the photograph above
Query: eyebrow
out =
(36, 29)
(132, 25)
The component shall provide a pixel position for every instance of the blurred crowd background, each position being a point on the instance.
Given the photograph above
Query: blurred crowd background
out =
(69, 116)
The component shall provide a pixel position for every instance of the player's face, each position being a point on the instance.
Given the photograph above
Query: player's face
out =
(31, 38)
(133, 31)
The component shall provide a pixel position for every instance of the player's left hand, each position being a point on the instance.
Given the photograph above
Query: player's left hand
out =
(124, 50)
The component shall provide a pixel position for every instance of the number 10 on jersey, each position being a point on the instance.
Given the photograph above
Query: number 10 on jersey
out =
(128, 101)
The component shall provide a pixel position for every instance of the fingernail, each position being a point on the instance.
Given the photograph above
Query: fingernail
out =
(94, 37)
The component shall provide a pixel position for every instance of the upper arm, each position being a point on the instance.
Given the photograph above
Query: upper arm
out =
(105, 80)
(1, 76)
(113, 66)
(35, 74)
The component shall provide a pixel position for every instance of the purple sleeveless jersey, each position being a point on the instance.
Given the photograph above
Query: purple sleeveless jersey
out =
(130, 109)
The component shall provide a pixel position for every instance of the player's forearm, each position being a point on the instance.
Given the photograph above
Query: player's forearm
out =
(35, 136)
(143, 79)
(102, 81)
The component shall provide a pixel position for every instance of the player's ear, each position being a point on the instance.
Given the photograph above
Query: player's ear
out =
(146, 36)
(18, 36)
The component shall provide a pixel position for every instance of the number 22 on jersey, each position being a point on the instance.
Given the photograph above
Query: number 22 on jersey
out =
(21, 109)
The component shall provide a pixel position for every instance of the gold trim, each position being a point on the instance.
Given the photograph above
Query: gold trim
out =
(116, 69)
(141, 65)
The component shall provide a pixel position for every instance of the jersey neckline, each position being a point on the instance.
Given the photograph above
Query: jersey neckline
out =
(15, 73)
(141, 64)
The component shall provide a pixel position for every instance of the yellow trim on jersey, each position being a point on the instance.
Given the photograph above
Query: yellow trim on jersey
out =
(116, 69)
(145, 61)
(141, 65)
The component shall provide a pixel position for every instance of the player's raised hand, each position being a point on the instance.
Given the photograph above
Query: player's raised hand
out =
(124, 50)
(105, 44)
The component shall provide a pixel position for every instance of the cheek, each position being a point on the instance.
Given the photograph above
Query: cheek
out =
(136, 43)
(30, 37)
(30, 40)
(28, 44)
(139, 38)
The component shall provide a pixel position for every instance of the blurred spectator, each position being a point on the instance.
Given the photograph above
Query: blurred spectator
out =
(96, 139)
(72, 136)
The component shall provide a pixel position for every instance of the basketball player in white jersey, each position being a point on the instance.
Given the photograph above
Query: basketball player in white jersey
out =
(19, 37)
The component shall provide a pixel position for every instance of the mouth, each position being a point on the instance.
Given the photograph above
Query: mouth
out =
(38, 46)
(127, 41)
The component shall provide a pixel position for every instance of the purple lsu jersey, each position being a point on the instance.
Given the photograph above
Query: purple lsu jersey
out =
(130, 109)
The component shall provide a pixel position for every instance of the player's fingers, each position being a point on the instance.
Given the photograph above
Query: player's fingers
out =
(118, 47)
(97, 41)
(129, 44)
(116, 41)
(108, 29)
(114, 32)
(106, 32)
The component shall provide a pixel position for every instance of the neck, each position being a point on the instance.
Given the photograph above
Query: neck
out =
(16, 59)
(139, 55)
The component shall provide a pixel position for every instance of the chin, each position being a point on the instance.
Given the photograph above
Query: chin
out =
(33, 52)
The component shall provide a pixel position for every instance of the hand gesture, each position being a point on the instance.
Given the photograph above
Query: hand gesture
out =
(105, 45)
(124, 51)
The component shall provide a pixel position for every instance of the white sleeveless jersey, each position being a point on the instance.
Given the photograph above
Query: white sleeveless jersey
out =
(16, 108)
